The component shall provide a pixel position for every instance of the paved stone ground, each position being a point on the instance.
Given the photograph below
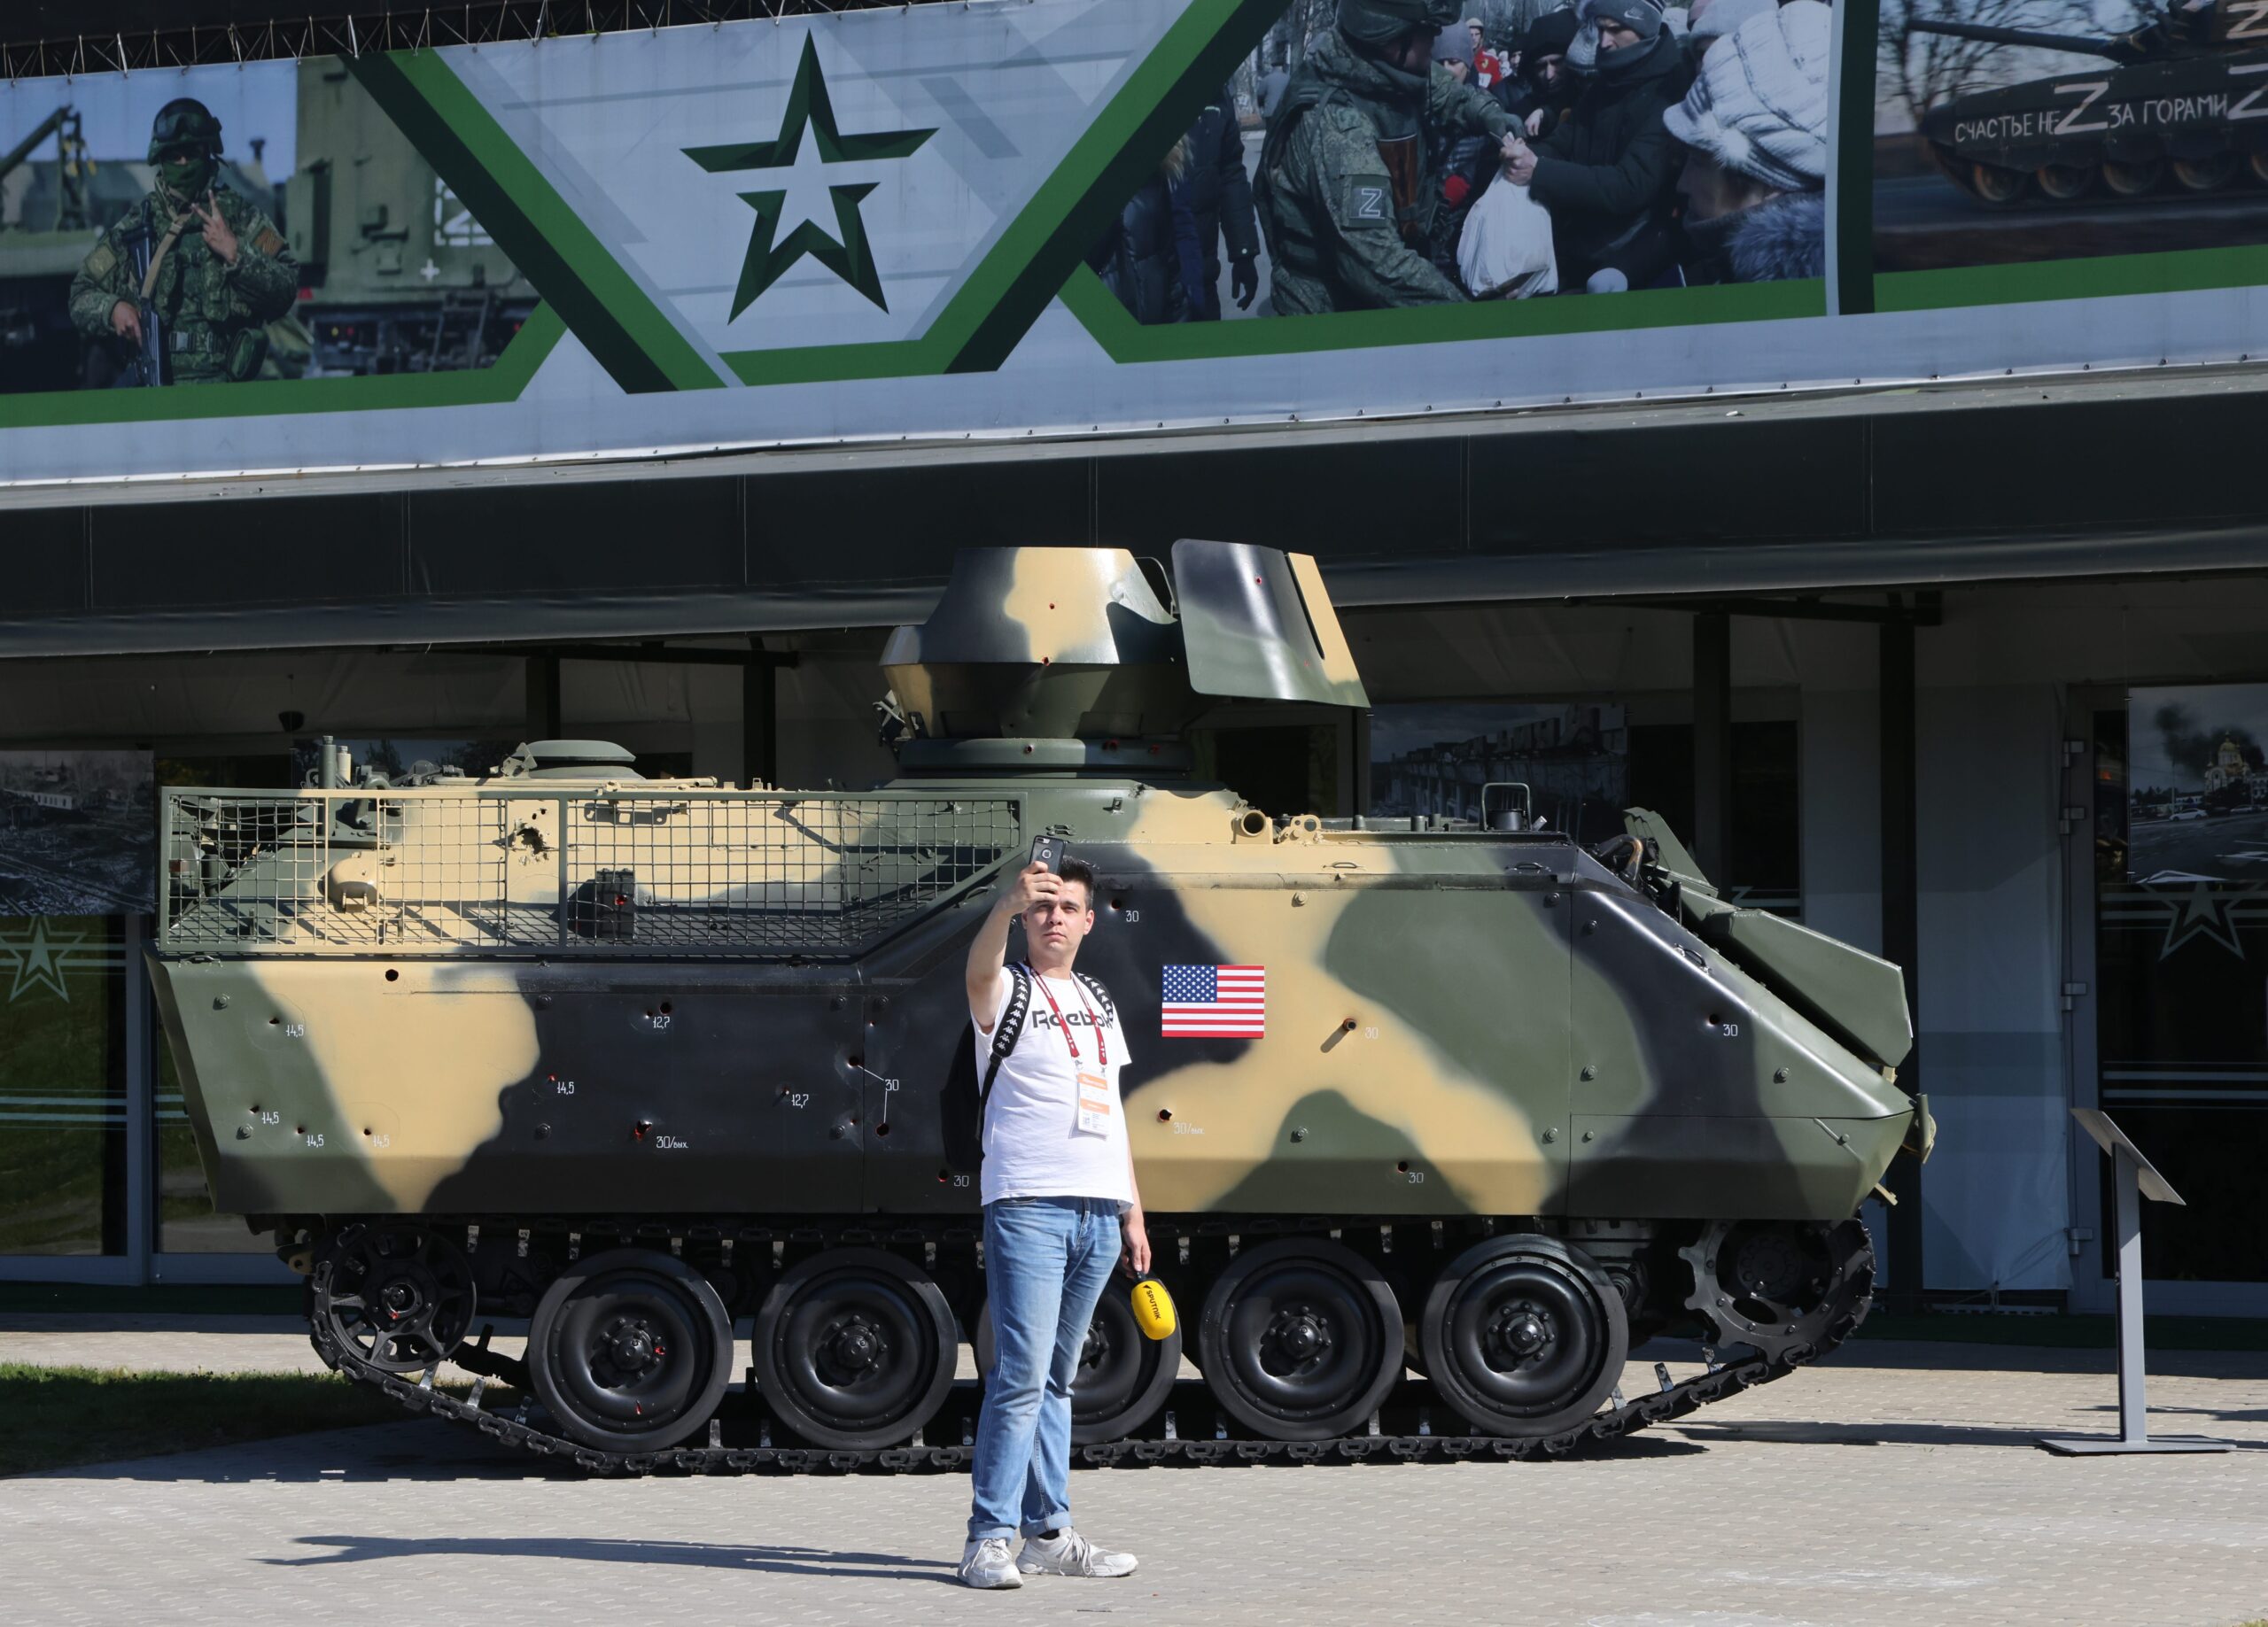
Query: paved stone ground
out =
(1897, 1484)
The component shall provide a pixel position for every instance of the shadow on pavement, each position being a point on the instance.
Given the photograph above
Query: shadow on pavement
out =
(1931, 1355)
(369, 1453)
(755, 1557)
(1898, 1434)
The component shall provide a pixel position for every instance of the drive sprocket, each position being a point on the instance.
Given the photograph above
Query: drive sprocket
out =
(1783, 1288)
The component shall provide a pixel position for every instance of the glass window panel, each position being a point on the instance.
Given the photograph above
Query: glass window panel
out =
(2181, 961)
(62, 1085)
(1767, 837)
(187, 1223)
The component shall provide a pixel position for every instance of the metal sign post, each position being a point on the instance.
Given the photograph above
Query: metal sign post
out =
(2133, 1179)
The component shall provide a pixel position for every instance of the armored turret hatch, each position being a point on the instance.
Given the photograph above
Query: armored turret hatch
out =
(1038, 648)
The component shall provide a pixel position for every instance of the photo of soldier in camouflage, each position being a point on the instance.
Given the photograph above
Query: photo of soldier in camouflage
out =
(231, 224)
(185, 286)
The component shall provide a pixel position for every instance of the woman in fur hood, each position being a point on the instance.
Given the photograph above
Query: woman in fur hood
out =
(1755, 132)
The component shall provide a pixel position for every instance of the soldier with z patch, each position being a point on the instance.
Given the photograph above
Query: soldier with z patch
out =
(1346, 196)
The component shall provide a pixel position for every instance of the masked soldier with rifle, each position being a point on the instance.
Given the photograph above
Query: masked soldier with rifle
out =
(1344, 192)
(188, 279)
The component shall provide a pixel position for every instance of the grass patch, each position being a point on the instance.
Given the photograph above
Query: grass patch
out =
(59, 1417)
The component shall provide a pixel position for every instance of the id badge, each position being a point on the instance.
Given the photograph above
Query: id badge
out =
(1094, 1105)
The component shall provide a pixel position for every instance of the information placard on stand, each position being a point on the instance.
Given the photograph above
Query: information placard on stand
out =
(2133, 1178)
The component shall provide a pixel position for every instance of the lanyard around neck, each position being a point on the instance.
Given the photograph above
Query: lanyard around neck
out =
(1102, 1044)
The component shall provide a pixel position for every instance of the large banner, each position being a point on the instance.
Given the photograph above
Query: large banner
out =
(1023, 218)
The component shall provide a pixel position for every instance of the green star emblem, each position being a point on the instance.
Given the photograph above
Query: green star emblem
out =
(769, 255)
(41, 959)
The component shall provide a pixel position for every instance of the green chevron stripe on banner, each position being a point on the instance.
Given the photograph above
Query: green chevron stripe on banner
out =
(267, 396)
(600, 303)
(1125, 339)
(996, 306)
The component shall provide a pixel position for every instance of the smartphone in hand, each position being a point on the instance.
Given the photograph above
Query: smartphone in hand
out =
(1048, 851)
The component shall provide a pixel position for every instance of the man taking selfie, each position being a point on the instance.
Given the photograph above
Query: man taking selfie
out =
(1058, 1186)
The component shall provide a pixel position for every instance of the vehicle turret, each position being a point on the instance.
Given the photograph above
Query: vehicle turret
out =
(1040, 659)
(2141, 46)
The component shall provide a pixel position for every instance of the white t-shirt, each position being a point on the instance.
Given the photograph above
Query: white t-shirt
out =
(1033, 1145)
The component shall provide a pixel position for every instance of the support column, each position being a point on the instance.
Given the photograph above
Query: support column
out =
(141, 1174)
(760, 716)
(1901, 930)
(543, 697)
(1713, 744)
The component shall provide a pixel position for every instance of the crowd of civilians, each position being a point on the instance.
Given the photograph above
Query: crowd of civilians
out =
(1671, 146)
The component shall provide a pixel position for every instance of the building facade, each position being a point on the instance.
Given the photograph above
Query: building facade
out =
(1924, 596)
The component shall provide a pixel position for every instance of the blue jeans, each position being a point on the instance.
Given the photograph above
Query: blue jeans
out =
(1046, 1260)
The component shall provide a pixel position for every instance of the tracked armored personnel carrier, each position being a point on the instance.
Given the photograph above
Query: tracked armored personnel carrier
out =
(2178, 97)
(638, 1058)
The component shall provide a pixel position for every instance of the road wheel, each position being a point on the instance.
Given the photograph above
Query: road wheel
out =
(1524, 1336)
(2206, 175)
(1302, 1339)
(2064, 182)
(2133, 180)
(1123, 1378)
(1996, 184)
(855, 1349)
(631, 1350)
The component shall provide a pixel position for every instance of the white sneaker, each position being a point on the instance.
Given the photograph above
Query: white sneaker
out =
(1070, 1555)
(987, 1564)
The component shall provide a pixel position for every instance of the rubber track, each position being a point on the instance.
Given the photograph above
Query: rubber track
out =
(1610, 1424)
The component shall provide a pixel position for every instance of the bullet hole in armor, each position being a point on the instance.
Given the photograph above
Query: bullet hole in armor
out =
(881, 1129)
(665, 1008)
(273, 1021)
(393, 974)
(1165, 1115)
(366, 1131)
(1401, 1168)
(1117, 903)
(944, 1177)
(856, 1062)
(1716, 1021)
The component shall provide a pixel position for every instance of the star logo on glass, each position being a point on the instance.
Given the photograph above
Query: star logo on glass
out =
(38, 959)
(774, 246)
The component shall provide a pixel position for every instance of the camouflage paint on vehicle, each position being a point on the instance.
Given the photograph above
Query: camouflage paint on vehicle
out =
(1458, 1023)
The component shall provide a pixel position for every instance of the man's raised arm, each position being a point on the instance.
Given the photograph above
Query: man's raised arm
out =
(990, 952)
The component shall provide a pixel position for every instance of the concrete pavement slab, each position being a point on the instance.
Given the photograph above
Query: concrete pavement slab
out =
(1897, 1484)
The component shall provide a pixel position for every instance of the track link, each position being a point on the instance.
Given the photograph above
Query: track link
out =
(521, 1425)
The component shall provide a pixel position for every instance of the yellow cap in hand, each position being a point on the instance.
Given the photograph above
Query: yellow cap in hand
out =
(1153, 1308)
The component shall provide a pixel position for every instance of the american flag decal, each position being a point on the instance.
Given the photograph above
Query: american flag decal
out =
(1209, 1002)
